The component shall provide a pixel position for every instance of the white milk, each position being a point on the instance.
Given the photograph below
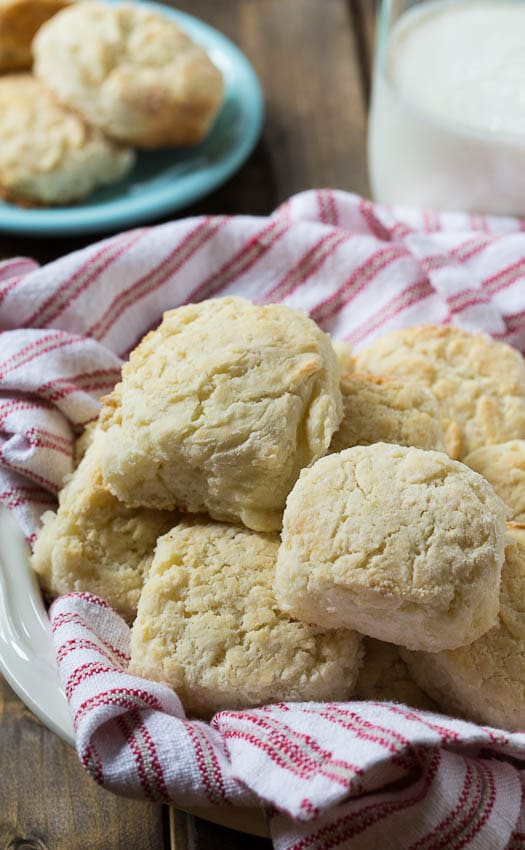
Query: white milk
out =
(447, 122)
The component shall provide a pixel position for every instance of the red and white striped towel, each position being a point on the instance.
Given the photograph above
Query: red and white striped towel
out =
(363, 775)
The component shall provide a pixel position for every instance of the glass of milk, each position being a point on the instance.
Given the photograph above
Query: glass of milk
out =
(447, 120)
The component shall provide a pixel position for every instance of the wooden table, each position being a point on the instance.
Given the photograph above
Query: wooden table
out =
(313, 59)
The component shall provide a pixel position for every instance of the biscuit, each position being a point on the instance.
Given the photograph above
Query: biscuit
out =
(387, 410)
(219, 409)
(479, 384)
(384, 677)
(130, 72)
(485, 681)
(48, 154)
(345, 355)
(83, 442)
(94, 543)
(401, 544)
(19, 21)
(209, 626)
(504, 467)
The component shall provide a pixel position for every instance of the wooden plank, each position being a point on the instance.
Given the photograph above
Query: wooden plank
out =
(363, 15)
(304, 52)
(48, 801)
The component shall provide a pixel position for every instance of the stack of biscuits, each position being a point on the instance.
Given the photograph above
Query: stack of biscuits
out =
(279, 520)
(82, 84)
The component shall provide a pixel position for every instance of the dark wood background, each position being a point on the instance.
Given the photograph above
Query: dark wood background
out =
(313, 58)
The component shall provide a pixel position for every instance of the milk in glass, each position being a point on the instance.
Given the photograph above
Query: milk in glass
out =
(447, 122)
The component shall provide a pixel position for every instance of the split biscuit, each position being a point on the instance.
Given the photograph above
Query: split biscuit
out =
(48, 154)
(131, 72)
(19, 21)
(384, 677)
(219, 409)
(504, 466)
(401, 544)
(485, 681)
(94, 543)
(208, 625)
(387, 410)
(479, 384)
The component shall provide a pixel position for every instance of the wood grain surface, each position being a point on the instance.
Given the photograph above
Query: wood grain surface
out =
(313, 58)
(47, 802)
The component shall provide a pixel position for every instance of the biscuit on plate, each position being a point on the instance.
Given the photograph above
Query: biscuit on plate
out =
(504, 467)
(479, 384)
(401, 544)
(19, 21)
(131, 72)
(485, 681)
(208, 625)
(94, 543)
(48, 154)
(384, 677)
(387, 410)
(219, 409)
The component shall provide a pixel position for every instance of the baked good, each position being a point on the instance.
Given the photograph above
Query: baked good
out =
(479, 384)
(384, 677)
(345, 355)
(131, 72)
(83, 442)
(401, 544)
(485, 681)
(95, 543)
(48, 154)
(19, 21)
(209, 626)
(504, 466)
(219, 409)
(387, 410)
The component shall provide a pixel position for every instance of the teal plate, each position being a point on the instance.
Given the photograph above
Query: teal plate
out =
(165, 180)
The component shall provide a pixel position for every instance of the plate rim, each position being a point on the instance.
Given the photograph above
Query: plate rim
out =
(79, 219)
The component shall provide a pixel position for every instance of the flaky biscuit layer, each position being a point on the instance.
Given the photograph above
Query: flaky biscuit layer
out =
(219, 409)
(401, 544)
(485, 681)
(479, 384)
(209, 626)
(131, 72)
(387, 410)
(93, 542)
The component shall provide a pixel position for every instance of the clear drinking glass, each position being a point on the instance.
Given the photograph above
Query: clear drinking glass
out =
(447, 118)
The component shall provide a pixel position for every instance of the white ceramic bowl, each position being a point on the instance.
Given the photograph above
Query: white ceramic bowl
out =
(27, 658)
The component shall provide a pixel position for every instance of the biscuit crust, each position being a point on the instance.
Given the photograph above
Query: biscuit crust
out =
(94, 543)
(209, 626)
(504, 466)
(49, 155)
(387, 410)
(384, 677)
(130, 72)
(19, 21)
(219, 409)
(401, 544)
(485, 681)
(479, 384)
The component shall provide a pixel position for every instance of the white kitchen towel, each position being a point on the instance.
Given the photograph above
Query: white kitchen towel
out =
(354, 775)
